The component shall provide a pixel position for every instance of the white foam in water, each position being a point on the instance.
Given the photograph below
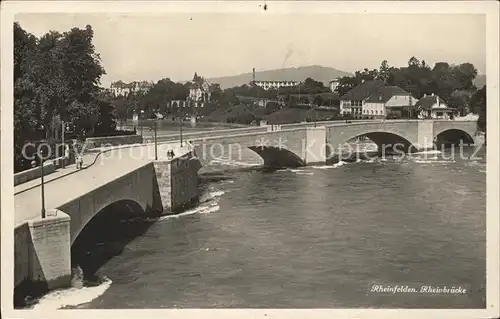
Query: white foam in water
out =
(203, 209)
(233, 163)
(71, 297)
(305, 173)
(211, 195)
(432, 162)
(427, 152)
(323, 167)
(340, 163)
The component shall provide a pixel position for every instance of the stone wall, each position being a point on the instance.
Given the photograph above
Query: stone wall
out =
(314, 150)
(178, 182)
(138, 185)
(425, 135)
(42, 251)
(162, 171)
(31, 174)
(93, 142)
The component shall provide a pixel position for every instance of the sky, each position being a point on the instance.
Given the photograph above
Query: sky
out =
(149, 47)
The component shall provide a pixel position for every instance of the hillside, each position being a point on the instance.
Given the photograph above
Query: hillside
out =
(319, 73)
(480, 81)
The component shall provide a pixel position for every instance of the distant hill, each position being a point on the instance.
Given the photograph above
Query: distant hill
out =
(318, 73)
(480, 81)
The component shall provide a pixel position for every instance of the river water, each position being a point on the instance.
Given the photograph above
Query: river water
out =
(314, 237)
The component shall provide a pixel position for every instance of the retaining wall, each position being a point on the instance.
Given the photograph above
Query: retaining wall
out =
(31, 174)
(178, 182)
(42, 251)
(93, 142)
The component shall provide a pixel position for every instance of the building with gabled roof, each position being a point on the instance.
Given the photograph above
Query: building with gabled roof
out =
(120, 88)
(434, 107)
(351, 103)
(374, 99)
(200, 91)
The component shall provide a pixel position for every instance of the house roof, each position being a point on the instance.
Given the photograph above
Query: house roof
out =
(363, 90)
(427, 102)
(384, 94)
(122, 85)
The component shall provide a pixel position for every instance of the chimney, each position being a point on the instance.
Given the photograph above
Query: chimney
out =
(437, 100)
(425, 94)
(253, 74)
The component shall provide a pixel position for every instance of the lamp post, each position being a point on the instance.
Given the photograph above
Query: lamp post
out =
(315, 117)
(180, 119)
(64, 127)
(33, 163)
(141, 119)
(155, 128)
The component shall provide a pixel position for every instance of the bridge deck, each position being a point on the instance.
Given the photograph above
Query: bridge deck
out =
(58, 191)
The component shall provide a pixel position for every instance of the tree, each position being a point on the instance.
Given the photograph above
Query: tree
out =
(56, 77)
(460, 101)
(413, 62)
(312, 84)
(478, 106)
(346, 83)
(384, 71)
(318, 100)
(216, 92)
(82, 70)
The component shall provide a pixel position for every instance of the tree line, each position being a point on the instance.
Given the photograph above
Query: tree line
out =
(158, 98)
(453, 83)
(56, 78)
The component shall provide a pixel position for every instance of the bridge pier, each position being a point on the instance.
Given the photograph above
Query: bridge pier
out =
(177, 182)
(42, 255)
(425, 136)
(315, 149)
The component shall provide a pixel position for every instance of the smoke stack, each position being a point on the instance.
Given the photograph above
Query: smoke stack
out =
(253, 77)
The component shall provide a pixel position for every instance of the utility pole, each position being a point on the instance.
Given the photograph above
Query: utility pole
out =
(180, 119)
(63, 145)
(156, 143)
(42, 185)
(141, 120)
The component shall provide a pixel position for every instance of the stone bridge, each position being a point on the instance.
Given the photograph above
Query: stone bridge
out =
(133, 179)
(314, 145)
(128, 179)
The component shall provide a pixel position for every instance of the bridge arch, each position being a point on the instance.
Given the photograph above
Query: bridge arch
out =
(453, 136)
(387, 140)
(106, 235)
(122, 208)
(277, 157)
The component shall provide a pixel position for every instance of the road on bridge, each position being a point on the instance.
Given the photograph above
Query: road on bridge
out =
(108, 167)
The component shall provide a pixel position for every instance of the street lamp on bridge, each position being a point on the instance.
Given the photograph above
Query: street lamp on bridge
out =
(141, 114)
(64, 128)
(41, 158)
(181, 118)
(155, 129)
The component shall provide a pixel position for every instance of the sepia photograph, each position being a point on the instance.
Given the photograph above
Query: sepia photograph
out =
(253, 155)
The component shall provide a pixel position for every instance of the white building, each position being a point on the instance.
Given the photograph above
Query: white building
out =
(434, 107)
(199, 92)
(373, 99)
(267, 85)
(120, 88)
(334, 83)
